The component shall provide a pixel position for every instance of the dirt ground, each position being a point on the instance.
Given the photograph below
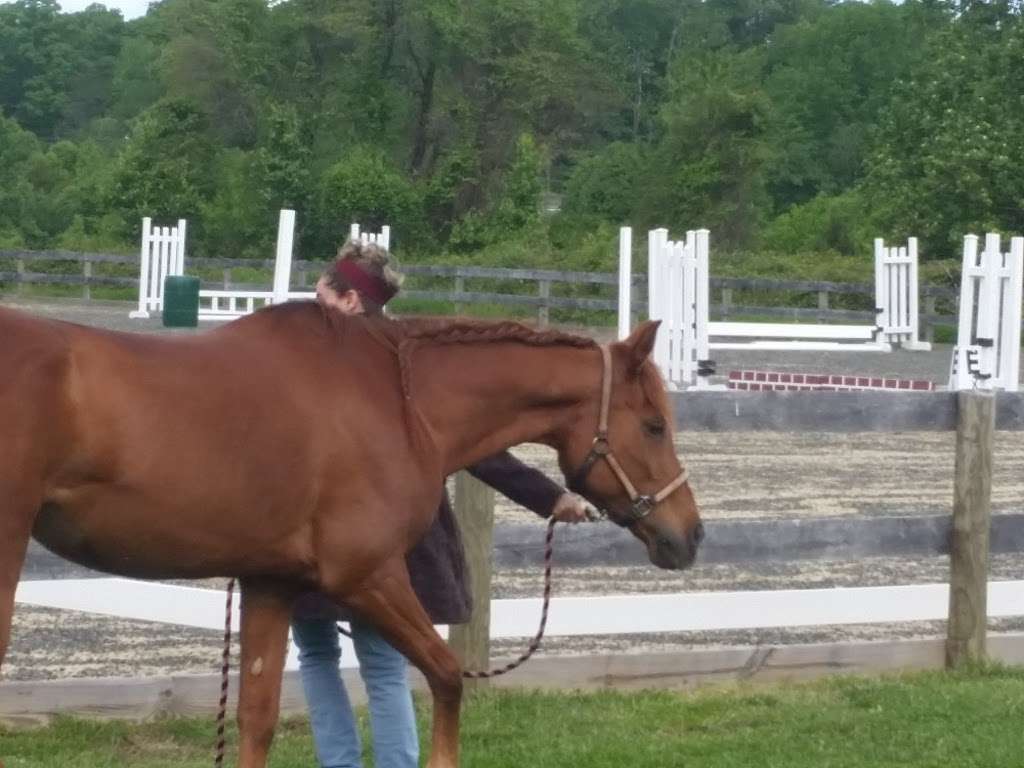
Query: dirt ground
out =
(749, 475)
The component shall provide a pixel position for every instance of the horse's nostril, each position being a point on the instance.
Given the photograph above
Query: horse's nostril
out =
(698, 533)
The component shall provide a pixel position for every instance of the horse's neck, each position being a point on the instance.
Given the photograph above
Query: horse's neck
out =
(479, 399)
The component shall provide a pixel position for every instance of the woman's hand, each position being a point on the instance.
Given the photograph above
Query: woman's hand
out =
(570, 508)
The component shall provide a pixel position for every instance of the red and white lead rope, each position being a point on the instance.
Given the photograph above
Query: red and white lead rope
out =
(222, 712)
(535, 643)
(530, 649)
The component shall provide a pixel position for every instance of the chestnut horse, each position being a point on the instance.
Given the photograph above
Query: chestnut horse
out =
(298, 449)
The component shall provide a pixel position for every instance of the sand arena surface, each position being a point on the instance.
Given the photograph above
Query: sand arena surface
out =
(749, 475)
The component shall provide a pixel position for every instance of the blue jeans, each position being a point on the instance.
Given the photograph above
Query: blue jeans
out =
(385, 673)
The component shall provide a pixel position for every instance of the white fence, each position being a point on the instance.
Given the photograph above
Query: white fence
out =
(382, 238)
(896, 293)
(163, 254)
(679, 296)
(570, 616)
(987, 352)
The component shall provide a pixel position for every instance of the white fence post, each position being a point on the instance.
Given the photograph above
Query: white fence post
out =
(702, 306)
(143, 310)
(625, 279)
(1009, 368)
(914, 319)
(987, 354)
(283, 256)
(178, 265)
(657, 296)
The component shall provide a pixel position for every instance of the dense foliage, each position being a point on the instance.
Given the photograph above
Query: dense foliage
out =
(505, 126)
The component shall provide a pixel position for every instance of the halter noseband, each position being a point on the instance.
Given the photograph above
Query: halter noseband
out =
(641, 505)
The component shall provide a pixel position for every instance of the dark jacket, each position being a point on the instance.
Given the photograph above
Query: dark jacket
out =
(437, 565)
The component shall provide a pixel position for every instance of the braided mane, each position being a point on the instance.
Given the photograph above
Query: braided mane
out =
(417, 333)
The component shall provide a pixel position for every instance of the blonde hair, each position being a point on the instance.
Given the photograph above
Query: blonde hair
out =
(374, 260)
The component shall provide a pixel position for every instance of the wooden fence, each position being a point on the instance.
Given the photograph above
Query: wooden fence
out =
(974, 420)
(974, 416)
(544, 298)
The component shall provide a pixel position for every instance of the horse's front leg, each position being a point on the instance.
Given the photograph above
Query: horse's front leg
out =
(266, 614)
(387, 601)
(18, 509)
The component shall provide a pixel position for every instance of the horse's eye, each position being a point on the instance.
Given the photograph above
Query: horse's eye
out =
(654, 428)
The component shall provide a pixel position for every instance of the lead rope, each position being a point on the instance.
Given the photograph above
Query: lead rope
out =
(530, 649)
(535, 643)
(222, 712)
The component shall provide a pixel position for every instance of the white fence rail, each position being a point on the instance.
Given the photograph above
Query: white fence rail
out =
(570, 616)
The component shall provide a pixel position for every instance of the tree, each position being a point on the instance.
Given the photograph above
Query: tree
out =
(55, 69)
(166, 167)
(708, 170)
(828, 77)
(366, 188)
(947, 160)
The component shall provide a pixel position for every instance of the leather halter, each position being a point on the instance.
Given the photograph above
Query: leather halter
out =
(641, 505)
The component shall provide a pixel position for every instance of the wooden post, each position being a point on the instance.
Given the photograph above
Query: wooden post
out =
(302, 278)
(822, 306)
(726, 302)
(19, 267)
(87, 272)
(227, 279)
(968, 556)
(460, 287)
(474, 509)
(544, 291)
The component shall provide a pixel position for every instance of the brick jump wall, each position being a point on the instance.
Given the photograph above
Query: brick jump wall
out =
(766, 381)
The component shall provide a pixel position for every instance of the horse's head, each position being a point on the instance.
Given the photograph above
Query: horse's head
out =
(621, 455)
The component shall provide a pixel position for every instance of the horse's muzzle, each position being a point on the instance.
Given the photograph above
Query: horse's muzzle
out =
(676, 553)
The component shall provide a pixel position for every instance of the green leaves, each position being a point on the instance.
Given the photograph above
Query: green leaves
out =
(166, 167)
(950, 145)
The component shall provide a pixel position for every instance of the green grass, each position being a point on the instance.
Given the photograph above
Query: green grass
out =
(966, 719)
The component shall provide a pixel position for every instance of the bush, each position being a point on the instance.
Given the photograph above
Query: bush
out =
(604, 185)
(364, 187)
(839, 223)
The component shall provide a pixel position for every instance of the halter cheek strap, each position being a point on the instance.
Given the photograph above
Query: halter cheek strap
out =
(641, 505)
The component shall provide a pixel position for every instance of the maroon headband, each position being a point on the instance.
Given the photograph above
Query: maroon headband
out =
(369, 285)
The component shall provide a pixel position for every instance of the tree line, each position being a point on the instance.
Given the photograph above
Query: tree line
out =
(519, 131)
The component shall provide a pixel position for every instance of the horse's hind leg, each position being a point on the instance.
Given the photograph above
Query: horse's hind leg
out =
(266, 614)
(388, 602)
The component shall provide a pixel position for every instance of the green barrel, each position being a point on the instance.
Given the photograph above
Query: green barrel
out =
(181, 301)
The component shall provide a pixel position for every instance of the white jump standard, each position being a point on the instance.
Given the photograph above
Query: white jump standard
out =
(987, 352)
(679, 296)
(163, 254)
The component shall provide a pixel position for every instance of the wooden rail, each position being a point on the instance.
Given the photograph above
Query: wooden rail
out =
(975, 426)
(544, 299)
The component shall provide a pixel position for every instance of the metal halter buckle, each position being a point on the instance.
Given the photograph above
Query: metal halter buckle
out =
(642, 506)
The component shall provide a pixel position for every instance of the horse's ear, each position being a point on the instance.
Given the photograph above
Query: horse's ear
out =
(640, 344)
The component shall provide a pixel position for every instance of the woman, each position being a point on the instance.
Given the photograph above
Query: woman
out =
(362, 281)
